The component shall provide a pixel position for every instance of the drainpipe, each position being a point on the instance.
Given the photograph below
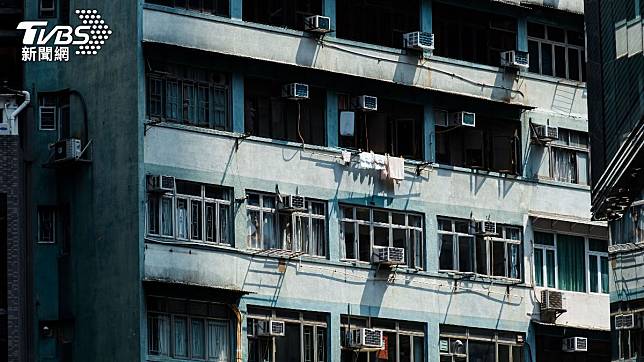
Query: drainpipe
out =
(12, 117)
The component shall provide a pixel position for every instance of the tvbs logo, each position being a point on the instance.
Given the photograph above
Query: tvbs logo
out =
(41, 44)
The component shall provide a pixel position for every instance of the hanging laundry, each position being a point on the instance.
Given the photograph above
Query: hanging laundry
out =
(371, 161)
(396, 168)
(379, 162)
(346, 157)
(347, 123)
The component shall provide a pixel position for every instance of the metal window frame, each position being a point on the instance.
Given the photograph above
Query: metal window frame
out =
(566, 45)
(39, 210)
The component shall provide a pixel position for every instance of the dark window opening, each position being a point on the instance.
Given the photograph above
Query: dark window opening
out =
(471, 35)
(191, 96)
(47, 9)
(556, 52)
(380, 22)
(282, 13)
(268, 114)
(216, 7)
(492, 145)
(396, 128)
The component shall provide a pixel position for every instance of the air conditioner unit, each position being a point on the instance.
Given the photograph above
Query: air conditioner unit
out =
(418, 40)
(366, 103)
(295, 91)
(293, 203)
(317, 24)
(160, 183)
(575, 344)
(486, 227)
(441, 118)
(462, 119)
(67, 150)
(365, 339)
(627, 321)
(551, 301)
(387, 255)
(515, 59)
(270, 328)
(545, 133)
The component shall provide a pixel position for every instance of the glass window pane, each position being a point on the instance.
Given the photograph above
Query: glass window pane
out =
(481, 256)
(592, 270)
(536, 30)
(153, 215)
(533, 50)
(538, 267)
(550, 268)
(381, 236)
(560, 61)
(417, 240)
(287, 348)
(571, 263)
(166, 216)
(158, 335)
(466, 254)
(573, 64)
(544, 238)
(321, 344)
(446, 258)
(224, 224)
(398, 218)
(308, 344)
(546, 59)
(498, 258)
(462, 227)
(197, 338)
(268, 233)
(556, 34)
(210, 222)
(444, 225)
(195, 220)
(364, 242)
(604, 273)
(517, 354)
(218, 340)
(348, 234)
(182, 218)
(419, 349)
(362, 214)
(504, 353)
(252, 199)
(404, 348)
(318, 237)
(268, 202)
(481, 351)
(381, 216)
(598, 245)
(346, 212)
(180, 337)
(415, 221)
(188, 188)
(253, 229)
(514, 261)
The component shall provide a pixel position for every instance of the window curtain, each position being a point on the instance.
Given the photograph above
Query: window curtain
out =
(218, 341)
(563, 167)
(571, 263)
(166, 216)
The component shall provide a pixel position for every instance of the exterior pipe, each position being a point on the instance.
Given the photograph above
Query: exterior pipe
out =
(12, 117)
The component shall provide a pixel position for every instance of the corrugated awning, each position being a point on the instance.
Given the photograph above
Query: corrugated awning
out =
(569, 224)
(177, 284)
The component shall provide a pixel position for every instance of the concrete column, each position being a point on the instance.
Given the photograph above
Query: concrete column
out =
(522, 34)
(334, 342)
(332, 118)
(236, 9)
(429, 133)
(329, 10)
(426, 15)
(433, 333)
(237, 91)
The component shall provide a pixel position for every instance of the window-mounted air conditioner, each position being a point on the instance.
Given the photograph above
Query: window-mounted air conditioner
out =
(366, 103)
(293, 203)
(295, 91)
(515, 59)
(67, 150)
(270, 328)
(551, 301)
(441, 118)
(462, 119)
(388, 255)
(317, 24)
(545, 133)
(575, 344)
(486, 227)
(365, 339)
(418, 40)
(160, 183)
(627, 321)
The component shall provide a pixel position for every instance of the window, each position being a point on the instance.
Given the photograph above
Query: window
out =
(492, 145)
(191, 96)
(460, 344)
(630, 342)
(282, 13)
(630, 227)
(53, 112)
(216, 7)
(598, 266)
(404, 341)
(560, 262)
(471, 35)
(188, 329)
(557, 52)
(305, 338)
(395, 128)
(47, 9)
(194, 212)
(570, 157)
(361, 229)
(394, 18)
(268, 114)
(47, 111)
(300, 231)
(460, 250)
(46, 224)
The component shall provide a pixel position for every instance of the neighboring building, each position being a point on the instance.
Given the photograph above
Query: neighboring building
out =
(616, 62)
(14, 316)
(168, 236)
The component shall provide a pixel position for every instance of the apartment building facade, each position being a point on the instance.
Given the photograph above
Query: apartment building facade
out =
(616, 120)
(228, 202)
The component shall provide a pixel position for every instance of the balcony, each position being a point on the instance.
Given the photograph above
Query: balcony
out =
(234, 37)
